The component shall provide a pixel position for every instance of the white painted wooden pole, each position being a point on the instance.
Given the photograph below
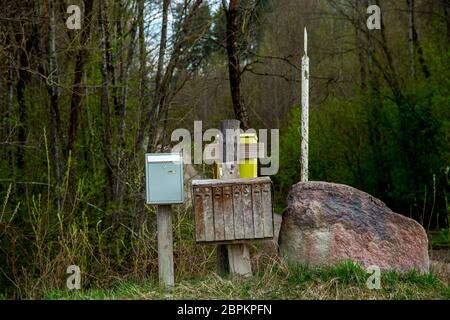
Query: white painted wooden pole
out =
(165, 246)
(305, 113)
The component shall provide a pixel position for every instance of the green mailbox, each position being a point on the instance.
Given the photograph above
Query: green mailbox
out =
(164, 178)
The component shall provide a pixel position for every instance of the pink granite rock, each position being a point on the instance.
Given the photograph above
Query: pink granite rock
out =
(325, 223)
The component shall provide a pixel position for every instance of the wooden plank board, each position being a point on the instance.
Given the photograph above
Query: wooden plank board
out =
(238, 208)
(266, 196)
(233, 212)
(208, 214)
(228, 212)
(226, 242)
(248, 212)
(219, 222)
(216, 182)
(258, 215)
(199, 213)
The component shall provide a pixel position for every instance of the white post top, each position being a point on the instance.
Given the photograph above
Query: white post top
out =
(306, 42)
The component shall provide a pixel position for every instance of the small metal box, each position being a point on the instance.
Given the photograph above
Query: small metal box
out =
(164, 178)
(233, 210)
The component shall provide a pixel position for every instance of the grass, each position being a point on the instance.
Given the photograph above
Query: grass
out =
(278, 281)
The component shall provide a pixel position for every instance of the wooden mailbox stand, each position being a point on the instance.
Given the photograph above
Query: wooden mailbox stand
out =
(230, 211)
(165, 245)
(164, 186)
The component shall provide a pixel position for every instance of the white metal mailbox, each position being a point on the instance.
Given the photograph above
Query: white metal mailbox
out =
(164, 178)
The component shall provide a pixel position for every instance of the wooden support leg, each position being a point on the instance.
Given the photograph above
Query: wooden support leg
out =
(222, 260)
(239, 259)
(165, 246)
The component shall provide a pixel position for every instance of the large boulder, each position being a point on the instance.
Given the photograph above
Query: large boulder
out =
(326, 223)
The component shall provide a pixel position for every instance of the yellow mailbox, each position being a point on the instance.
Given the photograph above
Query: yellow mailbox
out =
(248, 165)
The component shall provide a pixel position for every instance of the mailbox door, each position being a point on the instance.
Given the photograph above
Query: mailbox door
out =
(165, 181)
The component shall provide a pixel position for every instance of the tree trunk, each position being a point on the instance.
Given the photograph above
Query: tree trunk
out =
(140, 213)
(111, 73)
(159, 95)
(125, 70)
(446, 5)
(410, 4)
(20, 91)
(145, 114)
(107, 135)
(375, 137)
(234, 69)
(142, 74)
(362, 63)
(10, 112)
(80, 62)
(24, 76)
(54, 108)
(414, 45)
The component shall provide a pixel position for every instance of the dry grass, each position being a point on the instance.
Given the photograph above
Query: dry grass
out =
(279, 281)
(119, 265)
(441, 269)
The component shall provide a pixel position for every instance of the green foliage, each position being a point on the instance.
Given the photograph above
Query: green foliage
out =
(344, 273)
(396, 150)
(394, 146)
(442, 239)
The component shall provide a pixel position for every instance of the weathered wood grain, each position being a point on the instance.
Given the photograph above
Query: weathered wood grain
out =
(238, 211)
(216, 182)
(228, 213)
(266, 196)
(219, 223)
(208, 214)
(239, 258)
(165, 245)
(258, 215)
(199, 215)
(248, 212)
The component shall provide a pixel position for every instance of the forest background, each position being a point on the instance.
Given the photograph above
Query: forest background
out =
(80, 107)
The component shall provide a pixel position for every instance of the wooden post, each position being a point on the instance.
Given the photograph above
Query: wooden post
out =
(238, 254)
(239, 259)
(165, 246)
(305, 113)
